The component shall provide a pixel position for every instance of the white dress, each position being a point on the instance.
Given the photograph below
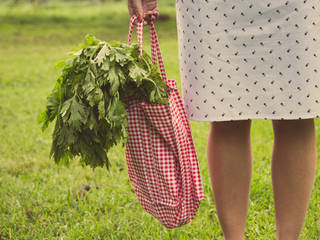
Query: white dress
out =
(249, 59)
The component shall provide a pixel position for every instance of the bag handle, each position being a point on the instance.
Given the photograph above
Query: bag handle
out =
(155, 47)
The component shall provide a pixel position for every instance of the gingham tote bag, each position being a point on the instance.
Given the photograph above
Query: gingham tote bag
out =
(160, 154)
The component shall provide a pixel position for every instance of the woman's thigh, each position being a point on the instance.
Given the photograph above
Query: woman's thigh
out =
(235, 125)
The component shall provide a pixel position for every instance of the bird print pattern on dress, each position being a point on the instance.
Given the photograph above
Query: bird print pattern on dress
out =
(246, 59)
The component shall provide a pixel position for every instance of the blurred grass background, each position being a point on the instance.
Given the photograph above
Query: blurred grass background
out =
(38, 199)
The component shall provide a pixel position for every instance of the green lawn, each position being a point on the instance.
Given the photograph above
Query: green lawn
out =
(38, 199)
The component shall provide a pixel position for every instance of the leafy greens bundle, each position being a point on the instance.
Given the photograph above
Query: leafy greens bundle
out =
(88, 100)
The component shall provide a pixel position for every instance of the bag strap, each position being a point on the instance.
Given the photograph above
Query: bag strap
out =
(139, 24)
(155, 47)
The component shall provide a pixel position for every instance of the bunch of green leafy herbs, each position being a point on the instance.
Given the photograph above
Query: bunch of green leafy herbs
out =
(88, 100)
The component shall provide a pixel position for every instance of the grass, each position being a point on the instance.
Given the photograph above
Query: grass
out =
(41, 200)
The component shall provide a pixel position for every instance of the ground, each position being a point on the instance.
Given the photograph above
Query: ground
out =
(41, 200)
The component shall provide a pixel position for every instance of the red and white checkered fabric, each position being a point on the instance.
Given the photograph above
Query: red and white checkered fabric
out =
(160, 153)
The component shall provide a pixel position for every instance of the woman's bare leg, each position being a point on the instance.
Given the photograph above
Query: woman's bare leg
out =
(293, 168)
(229, 162)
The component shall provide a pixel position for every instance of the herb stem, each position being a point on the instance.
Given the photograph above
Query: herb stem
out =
(150, 80)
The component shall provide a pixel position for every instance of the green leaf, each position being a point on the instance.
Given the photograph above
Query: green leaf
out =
(103, 53)
(78, 114)
(60, 64)
(152, 95)
(90, 40)
(87, 101)
(43, 118)
(113, 78)
(101, 109)
(116, 111)
(106, 64)
(65, 109)
(136, 73)
(121, 55)
(93, 122)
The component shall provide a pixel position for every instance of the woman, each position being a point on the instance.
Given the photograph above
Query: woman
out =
(242, 60)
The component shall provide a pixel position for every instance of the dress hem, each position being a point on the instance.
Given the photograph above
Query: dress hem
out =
(253, 118)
